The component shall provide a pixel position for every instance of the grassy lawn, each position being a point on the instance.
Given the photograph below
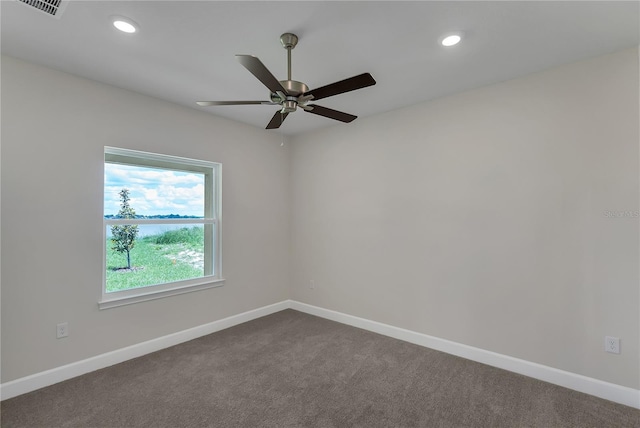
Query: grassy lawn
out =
(171, 256)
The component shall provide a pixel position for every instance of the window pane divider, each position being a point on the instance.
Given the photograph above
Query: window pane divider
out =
(141, 221)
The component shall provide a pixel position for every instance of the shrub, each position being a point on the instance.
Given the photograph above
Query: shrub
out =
(186, 235)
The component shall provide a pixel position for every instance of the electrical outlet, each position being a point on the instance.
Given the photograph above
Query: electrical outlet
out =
(312, 284)
(612, 344)
(62, 330)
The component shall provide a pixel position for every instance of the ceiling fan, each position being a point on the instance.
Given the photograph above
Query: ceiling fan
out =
(291, 94)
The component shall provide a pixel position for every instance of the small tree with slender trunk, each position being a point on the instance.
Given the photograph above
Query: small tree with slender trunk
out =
(124, 236)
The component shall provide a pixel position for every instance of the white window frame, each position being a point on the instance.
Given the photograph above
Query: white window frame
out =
(212, 223)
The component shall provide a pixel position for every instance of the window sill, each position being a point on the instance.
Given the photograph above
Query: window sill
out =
(143, 296)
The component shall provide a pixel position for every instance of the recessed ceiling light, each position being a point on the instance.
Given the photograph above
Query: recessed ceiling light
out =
(451, 40)
(124, 24)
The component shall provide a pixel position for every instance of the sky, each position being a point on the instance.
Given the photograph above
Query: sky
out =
(153, 191)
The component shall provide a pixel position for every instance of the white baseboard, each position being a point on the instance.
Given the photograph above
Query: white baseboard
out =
(58, 374)
(608, 391)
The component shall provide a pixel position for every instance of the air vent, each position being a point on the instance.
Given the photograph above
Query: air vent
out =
(50, 7)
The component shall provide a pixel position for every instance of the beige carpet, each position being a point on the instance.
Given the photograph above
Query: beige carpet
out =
(291, 369)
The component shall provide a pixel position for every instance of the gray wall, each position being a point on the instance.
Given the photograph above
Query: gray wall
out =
(54, 129)
(480, 218)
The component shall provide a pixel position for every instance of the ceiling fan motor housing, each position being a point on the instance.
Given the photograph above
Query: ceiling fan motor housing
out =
(294, 89)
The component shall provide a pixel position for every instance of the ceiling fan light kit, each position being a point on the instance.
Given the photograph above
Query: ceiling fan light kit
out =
(290, 94)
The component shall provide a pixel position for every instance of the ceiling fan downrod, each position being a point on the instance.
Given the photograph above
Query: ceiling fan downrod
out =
(293, 88)
(289, 41)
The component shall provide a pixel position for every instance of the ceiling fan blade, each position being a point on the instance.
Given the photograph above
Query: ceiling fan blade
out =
(277, 120)
(351, 84)
(330, 113)
(233, 103)
(262, 73)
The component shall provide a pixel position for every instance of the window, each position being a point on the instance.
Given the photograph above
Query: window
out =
(162, 226)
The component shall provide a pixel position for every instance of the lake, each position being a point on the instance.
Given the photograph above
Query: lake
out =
(154, 229)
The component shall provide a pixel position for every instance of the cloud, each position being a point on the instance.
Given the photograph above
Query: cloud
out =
(154, 191)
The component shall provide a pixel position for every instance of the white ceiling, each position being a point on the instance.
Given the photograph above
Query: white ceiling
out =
(185, 50)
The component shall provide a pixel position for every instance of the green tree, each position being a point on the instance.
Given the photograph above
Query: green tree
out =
(124, 236)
